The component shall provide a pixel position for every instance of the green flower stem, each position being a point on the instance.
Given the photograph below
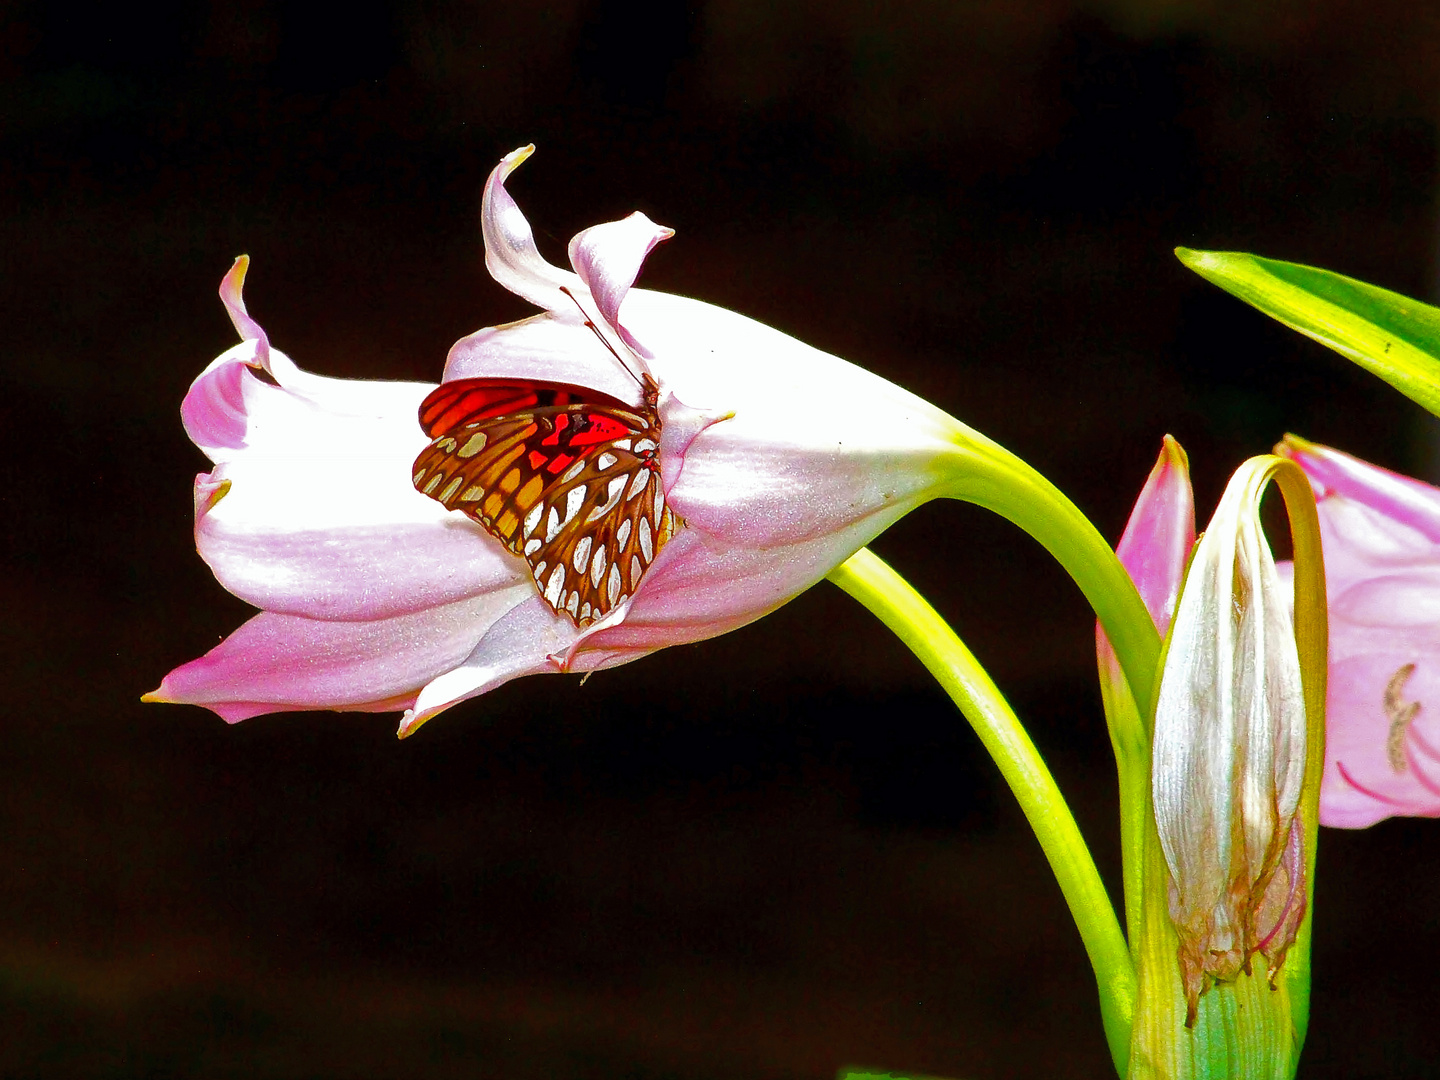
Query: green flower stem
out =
(990, 476)
(1133, 768)
(870, 581)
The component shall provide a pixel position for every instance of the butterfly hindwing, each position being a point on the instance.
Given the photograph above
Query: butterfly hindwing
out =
(568, 479)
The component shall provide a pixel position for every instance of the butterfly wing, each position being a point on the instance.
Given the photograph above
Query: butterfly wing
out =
(568, 479)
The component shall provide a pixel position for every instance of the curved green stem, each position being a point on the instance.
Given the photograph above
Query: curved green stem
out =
(868, 579)
(991, 476)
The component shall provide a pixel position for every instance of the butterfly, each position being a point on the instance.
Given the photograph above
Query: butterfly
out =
(567, 478)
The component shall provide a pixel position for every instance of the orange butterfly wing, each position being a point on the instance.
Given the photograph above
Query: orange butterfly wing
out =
(566, 478)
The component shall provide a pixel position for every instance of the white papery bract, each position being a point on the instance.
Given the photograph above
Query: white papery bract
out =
(1229, 752)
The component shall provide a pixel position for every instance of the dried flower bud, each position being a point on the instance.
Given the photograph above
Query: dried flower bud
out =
(1229, 754)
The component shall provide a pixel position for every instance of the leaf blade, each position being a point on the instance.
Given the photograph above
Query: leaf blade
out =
(1389, 334)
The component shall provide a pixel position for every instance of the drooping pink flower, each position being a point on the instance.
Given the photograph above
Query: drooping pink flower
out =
(780, 460)
(1381, 539)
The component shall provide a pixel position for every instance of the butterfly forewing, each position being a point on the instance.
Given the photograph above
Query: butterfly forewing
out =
(568, 479)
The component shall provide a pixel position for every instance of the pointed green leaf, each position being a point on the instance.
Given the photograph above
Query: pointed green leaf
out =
(1393, 336)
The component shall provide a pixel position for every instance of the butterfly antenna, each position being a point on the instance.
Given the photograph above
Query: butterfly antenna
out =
(590, 325)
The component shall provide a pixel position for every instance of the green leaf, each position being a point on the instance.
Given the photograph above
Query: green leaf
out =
(1393, 336)
(866, 1074)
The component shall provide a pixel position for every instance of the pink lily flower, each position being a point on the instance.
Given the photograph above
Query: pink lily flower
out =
(1381, 538)
(779, 462)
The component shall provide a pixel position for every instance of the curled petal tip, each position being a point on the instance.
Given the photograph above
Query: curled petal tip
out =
(234, 282)
(682, 425)
(232, 295)
(1291, 446)
(414, 719)
(1173, 455)
(208, 493)
(156, 697)
(513, 160)
(510, 252)
(608, 259)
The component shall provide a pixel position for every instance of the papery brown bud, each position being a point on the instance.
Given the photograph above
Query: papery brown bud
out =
(1229, 755)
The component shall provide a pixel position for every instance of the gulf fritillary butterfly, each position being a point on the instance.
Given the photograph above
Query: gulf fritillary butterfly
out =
(566, 478)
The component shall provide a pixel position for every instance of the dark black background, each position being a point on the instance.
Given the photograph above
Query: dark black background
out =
(765, 855)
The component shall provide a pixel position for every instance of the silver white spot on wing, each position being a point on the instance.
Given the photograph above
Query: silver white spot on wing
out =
(532, 518)
(597, 568)
(646, 547)
(612, 496)
(574, 499)
(605, 460)
(573, 471)
(473, 445)
(555, 586)
(552, 524)
(637, 483)
(581, 559)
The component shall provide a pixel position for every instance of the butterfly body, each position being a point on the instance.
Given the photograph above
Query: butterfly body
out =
(564, 477)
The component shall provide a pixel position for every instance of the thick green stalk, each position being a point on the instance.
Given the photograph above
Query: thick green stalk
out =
(1133, 770)
(868, 579)
(990, 476)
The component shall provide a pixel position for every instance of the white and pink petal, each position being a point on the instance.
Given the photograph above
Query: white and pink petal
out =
(286, 663)
(510, 252)
(608, 259)
(1401, 499)
(1382, 755)
(527, 640)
